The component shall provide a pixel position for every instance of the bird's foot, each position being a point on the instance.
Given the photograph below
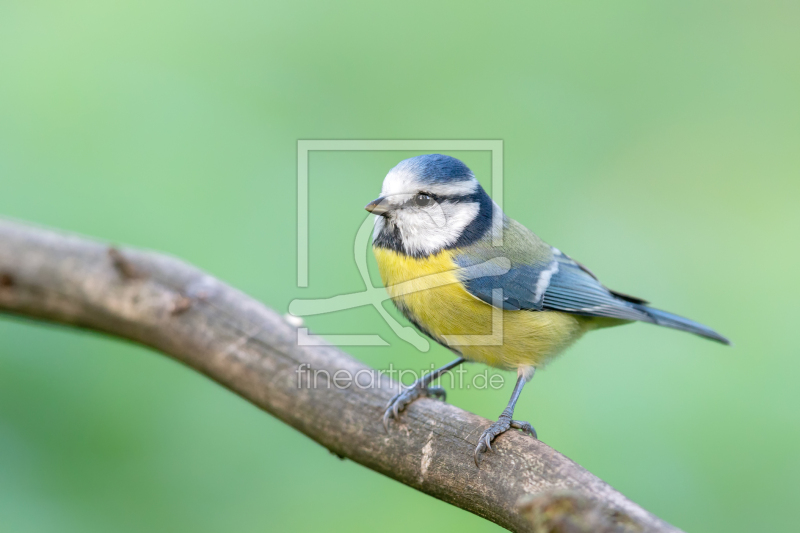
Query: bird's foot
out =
(405, 397)
(503, 424)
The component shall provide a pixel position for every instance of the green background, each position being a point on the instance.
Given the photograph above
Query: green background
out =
(657, 142)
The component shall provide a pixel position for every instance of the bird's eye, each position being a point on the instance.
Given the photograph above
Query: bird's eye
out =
(423, 200)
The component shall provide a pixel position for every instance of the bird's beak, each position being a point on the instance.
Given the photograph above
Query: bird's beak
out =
(379, 206)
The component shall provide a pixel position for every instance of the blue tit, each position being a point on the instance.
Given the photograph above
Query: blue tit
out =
(460, 270)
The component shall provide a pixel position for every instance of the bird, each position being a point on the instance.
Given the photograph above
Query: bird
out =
(454, 264)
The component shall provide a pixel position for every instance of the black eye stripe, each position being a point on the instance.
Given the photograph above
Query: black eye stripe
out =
(454, 198)
(442, 198)
(446, 197)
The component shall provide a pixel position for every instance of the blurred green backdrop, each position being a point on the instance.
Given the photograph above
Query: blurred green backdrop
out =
(657, 142)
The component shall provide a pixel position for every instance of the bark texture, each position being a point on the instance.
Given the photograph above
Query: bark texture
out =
(182, 312)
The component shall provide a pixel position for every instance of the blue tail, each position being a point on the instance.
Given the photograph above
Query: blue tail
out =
(662, 318)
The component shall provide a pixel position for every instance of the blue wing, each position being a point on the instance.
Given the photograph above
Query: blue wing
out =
(555, 282)
(518, 285)
(552, 281)
(574, 289)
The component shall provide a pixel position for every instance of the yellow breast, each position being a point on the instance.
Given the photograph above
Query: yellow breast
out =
(428, 292)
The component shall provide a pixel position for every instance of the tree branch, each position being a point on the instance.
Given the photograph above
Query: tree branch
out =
(174, 308)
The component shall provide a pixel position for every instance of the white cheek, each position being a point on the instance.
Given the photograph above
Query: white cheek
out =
(435, 228)
(379, 225)
(438, 218)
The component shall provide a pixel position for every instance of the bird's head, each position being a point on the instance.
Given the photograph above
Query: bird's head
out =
(429, 203)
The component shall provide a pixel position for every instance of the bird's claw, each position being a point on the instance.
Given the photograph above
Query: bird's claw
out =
(503, 424)
(405, 397)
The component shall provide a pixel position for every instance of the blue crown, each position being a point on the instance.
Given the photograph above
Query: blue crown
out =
(436, 168)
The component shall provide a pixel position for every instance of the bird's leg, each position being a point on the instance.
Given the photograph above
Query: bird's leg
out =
(503, 424)
(417, 390)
